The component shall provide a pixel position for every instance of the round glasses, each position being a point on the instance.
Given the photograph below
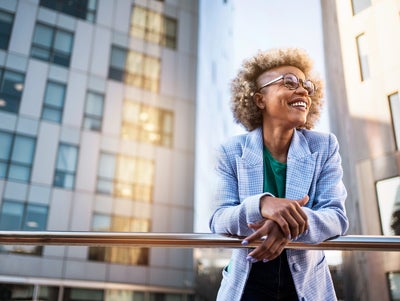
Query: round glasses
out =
(292, 82)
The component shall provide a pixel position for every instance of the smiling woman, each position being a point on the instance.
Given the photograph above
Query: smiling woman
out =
(279, 182)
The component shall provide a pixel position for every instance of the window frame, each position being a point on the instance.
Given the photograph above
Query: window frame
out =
(58, 172)
(6, 35)
(51, 107)
(11, 162)
(50, 53)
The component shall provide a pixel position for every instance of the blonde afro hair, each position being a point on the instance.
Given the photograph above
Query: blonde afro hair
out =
(244, 85)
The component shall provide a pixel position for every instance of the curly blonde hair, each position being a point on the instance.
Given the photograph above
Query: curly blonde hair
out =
(244, 86)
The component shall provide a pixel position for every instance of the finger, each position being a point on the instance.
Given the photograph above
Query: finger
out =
(253, 237)
(283, 224)
(302, 202)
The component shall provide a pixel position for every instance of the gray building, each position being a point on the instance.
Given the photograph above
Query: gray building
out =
(97, 126)
(362, 49)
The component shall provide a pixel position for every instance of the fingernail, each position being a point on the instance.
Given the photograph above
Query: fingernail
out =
(251, 259)
(265, 260)
(245, 242)
(290, 237)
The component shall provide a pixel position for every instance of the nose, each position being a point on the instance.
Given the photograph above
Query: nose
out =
(301, 90)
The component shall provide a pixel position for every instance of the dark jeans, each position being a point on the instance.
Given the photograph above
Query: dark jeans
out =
(270, 281)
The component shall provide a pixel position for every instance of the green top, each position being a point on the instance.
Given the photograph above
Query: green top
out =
(274, 175)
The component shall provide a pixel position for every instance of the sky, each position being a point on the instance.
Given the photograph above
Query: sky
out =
(264, 24)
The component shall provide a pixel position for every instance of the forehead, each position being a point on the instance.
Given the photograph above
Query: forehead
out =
(277, 71)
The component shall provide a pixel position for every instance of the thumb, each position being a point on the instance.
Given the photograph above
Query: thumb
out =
(304, 200)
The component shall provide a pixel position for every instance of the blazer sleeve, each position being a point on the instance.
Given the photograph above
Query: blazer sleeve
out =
(232, 216)
(327, 215)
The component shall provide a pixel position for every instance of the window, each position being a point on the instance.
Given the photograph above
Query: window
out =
(147, 124)
(93, 116)
(11, 291)
(394, 103)
(82, 294)
(83, 9)
(122, 255)
(11, 86)
(394, 285)
(66, 166)
(52, 45)
(388, 192)
(18, 216)
(134, 68)
(53, 103)
(363, 57)
(6, 21)
(16, 156)
(153, 27)
(126, 177)
(359, 5)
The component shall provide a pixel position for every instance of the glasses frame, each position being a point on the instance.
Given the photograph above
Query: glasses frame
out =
(299, 81)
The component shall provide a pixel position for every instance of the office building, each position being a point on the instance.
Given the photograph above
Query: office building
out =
(97, 127)
(362, 47)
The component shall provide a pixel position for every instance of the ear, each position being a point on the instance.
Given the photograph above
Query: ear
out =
(259, 100)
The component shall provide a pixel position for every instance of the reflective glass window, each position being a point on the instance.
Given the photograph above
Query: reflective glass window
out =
(122, 255)
(83, 9)
(6, 22)
(394, 285)
(66, 166)
(83, 294)
(53, 103)
(388, 192)
(134, 68)
(147, 124)
(363, 57)
(93, 116)
(11, 291)
(394, 103)
(126, 177)
(153, 27)
(16, 156)
(11, 87)
(359, 5)
(53, 45)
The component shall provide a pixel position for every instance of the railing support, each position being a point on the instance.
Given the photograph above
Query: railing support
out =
(186, 240)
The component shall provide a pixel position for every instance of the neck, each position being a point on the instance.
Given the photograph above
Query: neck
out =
(277, 141)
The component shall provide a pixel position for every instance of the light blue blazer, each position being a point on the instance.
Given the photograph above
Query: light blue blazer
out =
(313, 169)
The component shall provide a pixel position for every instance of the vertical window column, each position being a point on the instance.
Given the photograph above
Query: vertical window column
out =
(363, 57)
(53, 103)
(394, 103)
(6, 22)
(16, 156)
(67, 160)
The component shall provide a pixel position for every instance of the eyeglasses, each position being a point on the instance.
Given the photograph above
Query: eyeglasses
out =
(292, 82)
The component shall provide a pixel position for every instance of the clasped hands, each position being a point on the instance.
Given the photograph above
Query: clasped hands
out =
(284, 219)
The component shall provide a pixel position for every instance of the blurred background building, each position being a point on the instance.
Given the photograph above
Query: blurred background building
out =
(97, 133)
(110, 110)
(362, 46)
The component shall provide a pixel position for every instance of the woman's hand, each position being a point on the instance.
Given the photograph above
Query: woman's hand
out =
(288, 214)
(273, 244)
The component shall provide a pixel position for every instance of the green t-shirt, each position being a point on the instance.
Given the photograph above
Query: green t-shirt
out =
(274, 175)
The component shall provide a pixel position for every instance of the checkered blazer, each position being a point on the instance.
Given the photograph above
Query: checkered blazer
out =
(313, 169)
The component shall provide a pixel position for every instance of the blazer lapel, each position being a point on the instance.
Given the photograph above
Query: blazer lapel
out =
(300, 168)
(250, 165)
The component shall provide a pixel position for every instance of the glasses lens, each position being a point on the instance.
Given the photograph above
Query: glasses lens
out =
(291, 81)
(309, 86)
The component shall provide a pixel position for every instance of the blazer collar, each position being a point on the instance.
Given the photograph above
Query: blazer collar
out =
(300, 164)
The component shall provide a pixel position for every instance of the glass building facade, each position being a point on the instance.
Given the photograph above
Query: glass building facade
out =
(97, 126)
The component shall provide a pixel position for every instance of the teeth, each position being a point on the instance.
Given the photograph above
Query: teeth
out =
(299, 104)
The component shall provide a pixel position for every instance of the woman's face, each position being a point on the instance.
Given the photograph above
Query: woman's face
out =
(281, 106)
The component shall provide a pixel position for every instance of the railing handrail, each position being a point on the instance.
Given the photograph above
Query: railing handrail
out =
(186, 240)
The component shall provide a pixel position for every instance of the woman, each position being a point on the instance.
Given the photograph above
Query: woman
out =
(279, 182)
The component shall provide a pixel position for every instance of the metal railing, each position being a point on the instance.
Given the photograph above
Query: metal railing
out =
(186, 240)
